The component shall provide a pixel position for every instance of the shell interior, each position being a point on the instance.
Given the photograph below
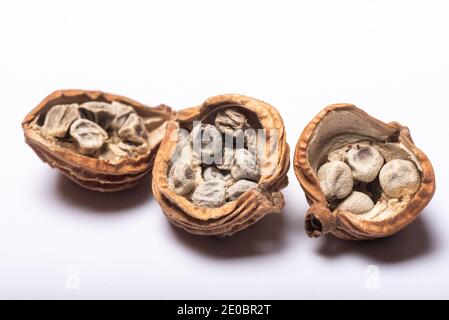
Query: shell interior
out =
(215, 161)
(109, 131)
(390, 171)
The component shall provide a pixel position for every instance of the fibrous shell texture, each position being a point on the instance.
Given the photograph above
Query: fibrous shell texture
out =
(392, 180)
(101, 141)
(234, 190)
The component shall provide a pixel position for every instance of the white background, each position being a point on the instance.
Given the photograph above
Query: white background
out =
(389, 57)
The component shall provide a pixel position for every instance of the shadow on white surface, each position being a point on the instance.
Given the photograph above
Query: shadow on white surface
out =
(103, 202)
(267, 236)
(413, 242)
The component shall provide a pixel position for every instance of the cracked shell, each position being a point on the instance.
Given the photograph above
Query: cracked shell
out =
(117, 169)
(334, 131)
(252, 205)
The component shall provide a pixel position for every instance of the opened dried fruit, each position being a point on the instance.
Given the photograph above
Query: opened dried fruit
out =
(99, 140)
(220, 168)
(364, 179)
(234, 185)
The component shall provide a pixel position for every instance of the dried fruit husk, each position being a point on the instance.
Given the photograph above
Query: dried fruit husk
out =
(342, 123)
(251, 205)
(90, 172)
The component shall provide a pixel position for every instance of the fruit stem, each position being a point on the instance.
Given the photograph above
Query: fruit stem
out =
(319, 220)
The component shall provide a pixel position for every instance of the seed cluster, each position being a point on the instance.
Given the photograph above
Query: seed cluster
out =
(110, 131)
(345, 178)
(207, 170)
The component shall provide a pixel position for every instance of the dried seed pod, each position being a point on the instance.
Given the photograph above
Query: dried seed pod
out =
(378, 207)
(113, 142)
(216, 207)
(88, 135)
(118, 164)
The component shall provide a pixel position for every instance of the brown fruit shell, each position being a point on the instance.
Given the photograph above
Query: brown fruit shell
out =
(345, 225)
(93, 173)
(249, 207)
